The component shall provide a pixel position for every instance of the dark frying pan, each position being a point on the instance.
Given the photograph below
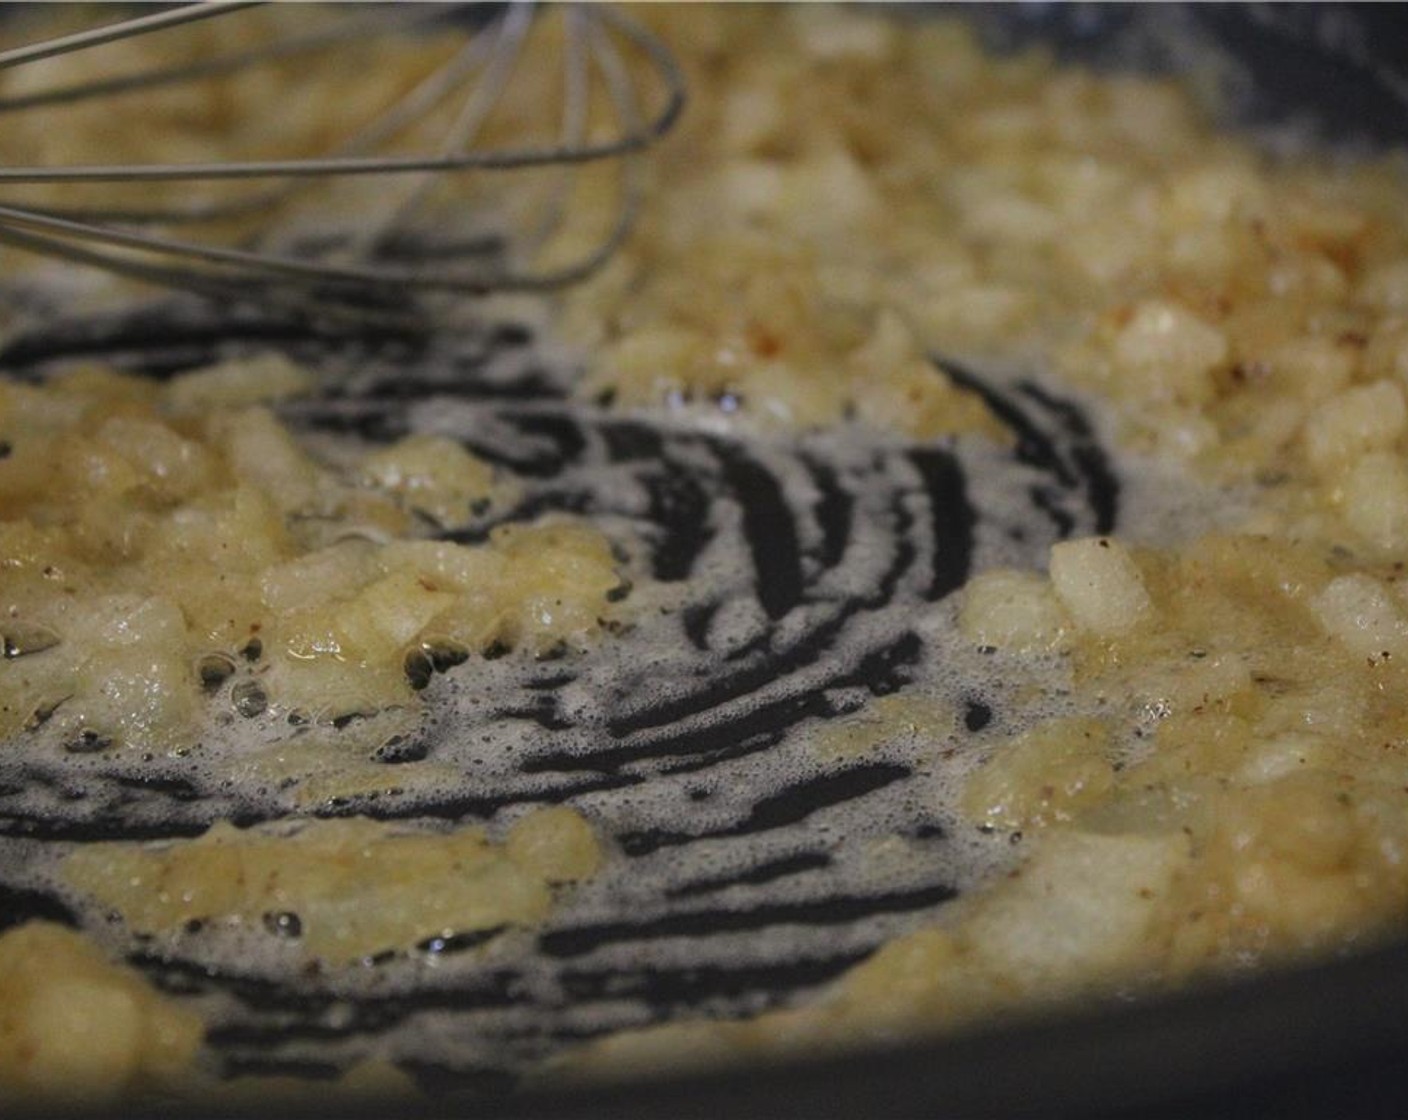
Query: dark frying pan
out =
(1326, 1039)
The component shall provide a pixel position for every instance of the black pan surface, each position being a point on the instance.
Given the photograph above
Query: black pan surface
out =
(1330, 1039)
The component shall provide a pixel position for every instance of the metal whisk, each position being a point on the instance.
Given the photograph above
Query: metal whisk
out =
(616, 91)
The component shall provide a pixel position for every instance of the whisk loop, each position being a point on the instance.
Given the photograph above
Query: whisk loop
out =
(620, 92)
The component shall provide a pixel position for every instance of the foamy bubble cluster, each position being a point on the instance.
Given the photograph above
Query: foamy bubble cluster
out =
(771, 750)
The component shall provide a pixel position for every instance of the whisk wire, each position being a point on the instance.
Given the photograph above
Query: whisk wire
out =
(380, 22)
(422, 99)
(104, 236)
(124, 29)
(509, 35)
(575, 79)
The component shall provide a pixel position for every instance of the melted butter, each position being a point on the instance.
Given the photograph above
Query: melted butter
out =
(776, 749)
(345, 890)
